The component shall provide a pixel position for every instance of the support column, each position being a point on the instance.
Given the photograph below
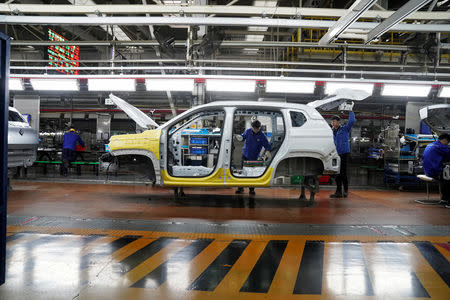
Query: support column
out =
(4, 104)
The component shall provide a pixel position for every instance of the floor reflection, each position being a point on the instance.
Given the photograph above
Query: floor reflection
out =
(333, 269)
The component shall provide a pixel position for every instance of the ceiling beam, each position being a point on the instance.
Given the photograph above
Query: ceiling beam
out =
(242, 10)
(219, 21)
(224, 44)
(404, 11)
(344, 22)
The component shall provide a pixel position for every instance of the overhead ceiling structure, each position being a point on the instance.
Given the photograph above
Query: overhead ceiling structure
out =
(396, 17)
(344, 22)
(368, 41)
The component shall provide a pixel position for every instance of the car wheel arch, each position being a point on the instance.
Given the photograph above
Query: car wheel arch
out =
(306, 165)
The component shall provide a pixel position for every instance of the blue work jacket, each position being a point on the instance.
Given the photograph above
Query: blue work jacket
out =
(71, 139)
(434, 155)
(342, 134)
(254, 143)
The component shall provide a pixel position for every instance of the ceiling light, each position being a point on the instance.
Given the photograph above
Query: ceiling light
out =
(15, 84)
(406, 90)
(54, 84)
(444, 92)
(172, 85)
(290, 86)
(112, 85)
(230, 85)
(332, 87)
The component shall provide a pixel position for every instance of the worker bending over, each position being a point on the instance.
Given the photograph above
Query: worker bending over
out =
(71, 138)
(434, 157)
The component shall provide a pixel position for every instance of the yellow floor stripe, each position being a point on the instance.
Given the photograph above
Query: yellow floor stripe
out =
(431, 281)
(284, 281)
(108, 274)
(443, 251)
(129, 249)
(185, 277)
(254, 237)
(150, 264)
(238, 274)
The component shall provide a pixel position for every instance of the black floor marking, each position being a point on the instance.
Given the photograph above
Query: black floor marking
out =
(309, 278)
(261, 276)
(219, 268)
(144, 253)
(396, 265)
(172, 266)
(436, 260)
(356, 276)
(106, 250)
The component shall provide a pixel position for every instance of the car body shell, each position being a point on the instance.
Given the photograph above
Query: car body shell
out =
(437, 117)
(313, 140)
(22, 141)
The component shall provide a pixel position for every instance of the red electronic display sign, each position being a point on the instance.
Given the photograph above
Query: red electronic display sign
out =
(60, 56)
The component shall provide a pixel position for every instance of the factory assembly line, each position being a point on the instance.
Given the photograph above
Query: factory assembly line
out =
(225, 149)
(200, 148)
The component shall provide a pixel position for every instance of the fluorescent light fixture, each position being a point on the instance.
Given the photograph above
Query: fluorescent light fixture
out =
(444, 92)
(230, 85)
(15, 84)
(54, 84)
(332, 87)
(172, 85)
(290, 86)
(403, 90)
(112, 84)
(172, 2)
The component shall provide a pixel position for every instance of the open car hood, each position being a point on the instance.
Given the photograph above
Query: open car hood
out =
(437, 117)
(133, 112)
(338, 98)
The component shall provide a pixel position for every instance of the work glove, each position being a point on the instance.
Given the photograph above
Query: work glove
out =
(267, 156)
(346, 106)
(238, 137)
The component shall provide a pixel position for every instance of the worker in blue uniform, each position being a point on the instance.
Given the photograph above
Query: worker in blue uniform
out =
(434, 157)
(255, 140)
(341, 135)
(71, 138)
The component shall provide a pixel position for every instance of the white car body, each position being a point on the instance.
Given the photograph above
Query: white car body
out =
(306, 150)
(22, 141)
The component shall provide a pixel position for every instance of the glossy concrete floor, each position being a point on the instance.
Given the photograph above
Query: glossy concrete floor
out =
(47, 263)
(97, 241)
(363, 206)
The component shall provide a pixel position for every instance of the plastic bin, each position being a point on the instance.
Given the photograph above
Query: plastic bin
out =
(198, 150)
(199, 140)
(296, 179)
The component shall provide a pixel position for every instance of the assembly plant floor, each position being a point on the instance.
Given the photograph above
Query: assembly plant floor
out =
(105, 241)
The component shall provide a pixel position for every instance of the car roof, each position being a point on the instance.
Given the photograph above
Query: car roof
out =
(266, 104)
(311, 111)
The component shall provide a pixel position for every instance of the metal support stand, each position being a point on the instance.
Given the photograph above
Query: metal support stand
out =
(178, 193)
(312, 184)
